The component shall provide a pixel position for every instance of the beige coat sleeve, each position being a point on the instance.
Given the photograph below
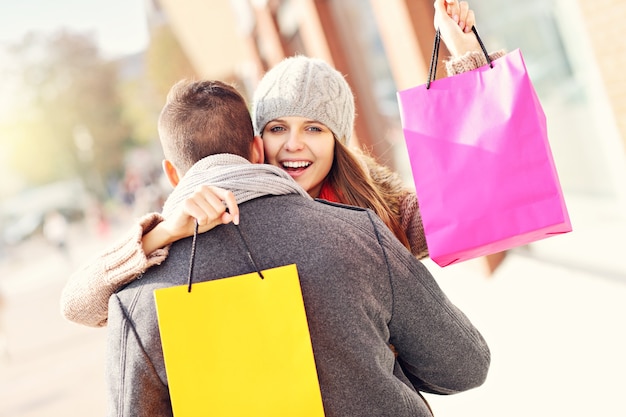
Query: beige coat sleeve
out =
(469, 61)
(412, 225)
(85, 297)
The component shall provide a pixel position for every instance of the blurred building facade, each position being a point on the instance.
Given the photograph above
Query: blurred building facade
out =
(574, 50)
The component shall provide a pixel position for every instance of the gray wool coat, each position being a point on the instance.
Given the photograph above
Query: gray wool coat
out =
(362, 291)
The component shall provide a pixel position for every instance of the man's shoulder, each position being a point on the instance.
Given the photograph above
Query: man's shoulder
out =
(340, 205)
(317, 203)
(317, 209)
(295, 202)
(144, 285)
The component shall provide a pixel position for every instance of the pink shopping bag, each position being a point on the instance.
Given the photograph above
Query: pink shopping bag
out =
(481, 161)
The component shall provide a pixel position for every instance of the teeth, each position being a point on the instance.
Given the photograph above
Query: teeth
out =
(296, 164)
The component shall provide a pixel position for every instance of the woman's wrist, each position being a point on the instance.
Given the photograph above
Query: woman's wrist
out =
(463, 46)
(159, 237)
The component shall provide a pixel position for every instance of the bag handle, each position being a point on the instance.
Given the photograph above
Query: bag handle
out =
(432, 71)
(193, 255)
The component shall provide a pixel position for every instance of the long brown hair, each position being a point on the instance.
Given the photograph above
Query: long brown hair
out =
(350, 177)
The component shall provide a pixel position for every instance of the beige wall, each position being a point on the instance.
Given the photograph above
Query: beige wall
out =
(606, 27)
(207, 31)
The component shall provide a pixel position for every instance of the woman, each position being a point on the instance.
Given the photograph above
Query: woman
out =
(304, 111)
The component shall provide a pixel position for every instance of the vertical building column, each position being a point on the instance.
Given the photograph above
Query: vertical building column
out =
(407, 31)
(326, 38)
(269, 43)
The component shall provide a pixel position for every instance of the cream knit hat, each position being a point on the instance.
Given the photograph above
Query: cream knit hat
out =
(305, 87)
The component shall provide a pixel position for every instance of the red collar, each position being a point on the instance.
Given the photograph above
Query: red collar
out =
(327, 193)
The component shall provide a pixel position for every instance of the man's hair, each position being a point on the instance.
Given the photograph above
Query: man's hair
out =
(202, 118)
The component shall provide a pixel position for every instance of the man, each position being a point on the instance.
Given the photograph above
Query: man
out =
(362, 289)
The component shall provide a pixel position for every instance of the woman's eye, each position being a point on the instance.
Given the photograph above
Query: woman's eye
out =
(275, 129)
(314, 129)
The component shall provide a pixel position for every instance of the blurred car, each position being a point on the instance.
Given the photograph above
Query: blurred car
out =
(21, 228)
(22, 216)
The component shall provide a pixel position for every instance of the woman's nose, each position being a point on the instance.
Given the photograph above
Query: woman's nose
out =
(294, 142)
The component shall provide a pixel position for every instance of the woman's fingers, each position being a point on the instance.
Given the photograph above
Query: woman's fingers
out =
(466, 17)
(211, 205)
(198, 209)
(463, 10)
(458, 11)
(455, 21)
(233, 209)
(452, 9)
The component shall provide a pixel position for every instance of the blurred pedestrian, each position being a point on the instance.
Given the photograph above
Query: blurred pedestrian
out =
(4, 343)
(56, 231)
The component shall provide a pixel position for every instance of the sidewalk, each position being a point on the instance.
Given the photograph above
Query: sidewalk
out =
(55, 368)
(553, 314)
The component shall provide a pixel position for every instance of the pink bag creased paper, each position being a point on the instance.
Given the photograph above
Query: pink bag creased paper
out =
(481, 161)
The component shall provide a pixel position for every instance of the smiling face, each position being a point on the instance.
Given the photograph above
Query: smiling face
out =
(303, 148)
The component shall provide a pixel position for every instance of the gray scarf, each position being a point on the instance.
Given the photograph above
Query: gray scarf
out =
(244, 179)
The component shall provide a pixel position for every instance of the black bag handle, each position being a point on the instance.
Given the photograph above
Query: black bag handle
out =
(193, 255)
(432, 71)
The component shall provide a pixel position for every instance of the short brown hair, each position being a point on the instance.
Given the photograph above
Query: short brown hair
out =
(202, 118)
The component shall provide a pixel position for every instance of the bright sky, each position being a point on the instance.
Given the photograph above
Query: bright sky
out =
(119, 26)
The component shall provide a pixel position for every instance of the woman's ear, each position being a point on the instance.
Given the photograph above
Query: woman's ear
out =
(170, 172)
(258, 152)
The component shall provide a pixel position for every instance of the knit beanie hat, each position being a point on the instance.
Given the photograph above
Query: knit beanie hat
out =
(305, 87)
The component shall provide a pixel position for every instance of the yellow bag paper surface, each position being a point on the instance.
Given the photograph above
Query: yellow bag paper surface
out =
(239, 346)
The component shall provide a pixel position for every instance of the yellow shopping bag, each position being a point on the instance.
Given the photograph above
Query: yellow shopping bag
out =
(239, 346)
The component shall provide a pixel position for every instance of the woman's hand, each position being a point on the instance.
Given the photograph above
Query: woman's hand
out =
(455, 20)
(210, 206)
